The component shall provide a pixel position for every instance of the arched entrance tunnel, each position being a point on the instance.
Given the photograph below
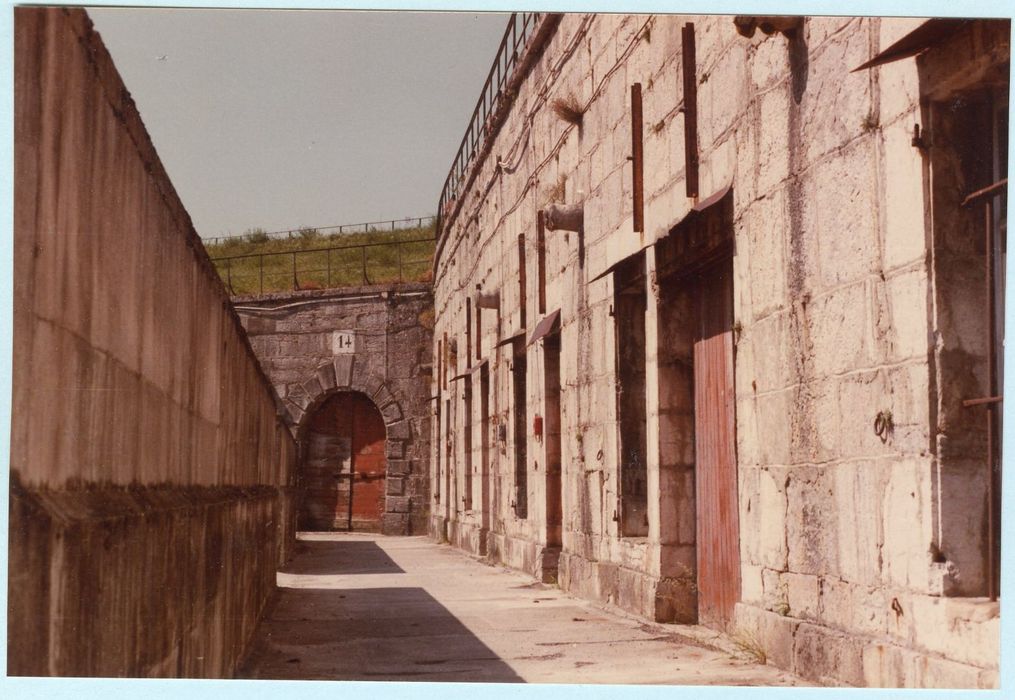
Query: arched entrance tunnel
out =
(343, 466)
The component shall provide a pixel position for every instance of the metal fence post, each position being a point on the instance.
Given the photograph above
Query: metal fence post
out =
(398, 247)
(329, 267)
(261, 265)
(296, 282)
(363, 249)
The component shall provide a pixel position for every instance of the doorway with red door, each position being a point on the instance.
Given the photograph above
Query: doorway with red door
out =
(343, 468)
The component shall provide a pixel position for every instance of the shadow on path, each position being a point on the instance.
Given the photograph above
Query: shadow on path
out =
(340, 633)
(340, 557)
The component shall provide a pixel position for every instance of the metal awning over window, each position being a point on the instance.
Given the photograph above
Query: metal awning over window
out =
(917, 41)
(549, 325)
(510, 339)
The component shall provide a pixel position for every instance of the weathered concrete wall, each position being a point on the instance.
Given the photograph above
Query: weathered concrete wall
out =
(151, 495)
(843, 534)
(391, 327)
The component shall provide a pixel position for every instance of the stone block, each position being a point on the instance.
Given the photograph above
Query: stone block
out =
(395, 523)
(839, 332)
(854, 607)
(395, 486)
(933, 672)
(392, 413)
(820, 654)
(343, 370)
(313, 387)
(394, 449)
(811, 532)
(907, 499)
(802, 595)
(397, 504)
(772, 517)
(382, 395)
(398, 431)
(326, 376)
(400, 467)
(751, 589)
(905, 228)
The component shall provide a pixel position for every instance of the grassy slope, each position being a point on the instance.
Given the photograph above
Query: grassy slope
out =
(275, 257)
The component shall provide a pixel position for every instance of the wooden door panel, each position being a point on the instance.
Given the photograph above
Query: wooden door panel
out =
(344, 466)
(718, 531)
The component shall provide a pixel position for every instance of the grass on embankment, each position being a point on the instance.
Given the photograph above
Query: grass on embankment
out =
(270, 269)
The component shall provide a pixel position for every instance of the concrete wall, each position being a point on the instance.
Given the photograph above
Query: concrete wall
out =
(294, 336)
(151, 479)
(845, 568)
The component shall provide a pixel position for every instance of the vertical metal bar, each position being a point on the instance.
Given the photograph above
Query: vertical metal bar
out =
(398, 247)
(444, 369)
(229, 274)
(468, 332)
(521, 279)
(296, 282)
(689, 66)
(260, 261)
(637, 160)
(363, 249)
(541, 260)
(329, 267)
(992, 473)
(479, 331)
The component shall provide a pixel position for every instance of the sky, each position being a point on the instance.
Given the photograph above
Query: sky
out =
(278, 119)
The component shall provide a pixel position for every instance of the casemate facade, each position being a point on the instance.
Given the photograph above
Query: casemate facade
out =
(719, 312)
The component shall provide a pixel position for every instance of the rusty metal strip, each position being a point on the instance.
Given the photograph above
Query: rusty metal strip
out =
(521, 278)
(689, 66)
(546, 327)
(920, 39)
(996, 188)
(984, 401)
(541, 260)
(510, 339)
(637, 160)
(468, 332)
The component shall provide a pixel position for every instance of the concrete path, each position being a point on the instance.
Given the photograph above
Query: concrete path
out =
(364, 607)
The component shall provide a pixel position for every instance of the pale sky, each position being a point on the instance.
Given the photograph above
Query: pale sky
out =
(279, 119)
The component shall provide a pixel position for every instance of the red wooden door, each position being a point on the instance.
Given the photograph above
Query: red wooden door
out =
(718, 527)
(344, 468)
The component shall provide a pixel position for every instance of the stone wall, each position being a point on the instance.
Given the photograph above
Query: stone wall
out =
(295, 337)
(151, 479)
(851, 554)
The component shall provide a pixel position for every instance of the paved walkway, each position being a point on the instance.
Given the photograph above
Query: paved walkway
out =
(363, 607)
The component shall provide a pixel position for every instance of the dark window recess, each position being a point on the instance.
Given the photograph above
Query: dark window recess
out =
(437, 442)
(448, 460)
(484, 442)
(519, 370)
(554, 485)
(629, 307)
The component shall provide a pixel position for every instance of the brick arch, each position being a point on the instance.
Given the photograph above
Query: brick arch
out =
(344, 374)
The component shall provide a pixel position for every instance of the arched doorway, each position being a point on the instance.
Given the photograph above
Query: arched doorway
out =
(343, 467)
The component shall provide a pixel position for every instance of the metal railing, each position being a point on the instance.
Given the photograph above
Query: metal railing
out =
(521, 27)
(327, 268)
(365, 227)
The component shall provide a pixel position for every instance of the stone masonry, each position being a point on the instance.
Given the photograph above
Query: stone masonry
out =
(858, 303)
(294, 336)
(152, 482)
